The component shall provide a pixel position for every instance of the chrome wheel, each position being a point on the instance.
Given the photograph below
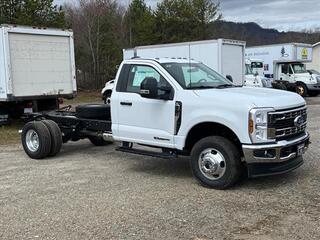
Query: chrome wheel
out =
(212, 163)
(32, 140)
(300, 90)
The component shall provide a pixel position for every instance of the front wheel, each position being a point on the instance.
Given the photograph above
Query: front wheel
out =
(215, 162)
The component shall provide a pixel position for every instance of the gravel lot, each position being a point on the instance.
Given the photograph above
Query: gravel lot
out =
(91, 192)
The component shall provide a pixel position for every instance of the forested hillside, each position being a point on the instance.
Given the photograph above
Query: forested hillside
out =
(254, 34)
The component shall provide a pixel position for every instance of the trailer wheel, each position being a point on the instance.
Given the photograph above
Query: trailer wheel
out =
(215, 162)
(98, 141)
(56, 137)
(36, 140)
(301, 89)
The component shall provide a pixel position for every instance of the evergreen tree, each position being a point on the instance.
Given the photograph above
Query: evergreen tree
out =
(31, 12)
(140, 22)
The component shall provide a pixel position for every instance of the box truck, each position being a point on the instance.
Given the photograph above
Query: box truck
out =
(37, 67)
(286, 65)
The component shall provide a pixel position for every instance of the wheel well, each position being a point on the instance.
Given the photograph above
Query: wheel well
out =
(206, 129)
(107, 91)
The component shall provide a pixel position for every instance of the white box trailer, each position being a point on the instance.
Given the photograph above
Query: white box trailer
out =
(222, 55)
(36, 65)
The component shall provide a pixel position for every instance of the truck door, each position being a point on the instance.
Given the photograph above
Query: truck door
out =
(143, 120)
(286, 73)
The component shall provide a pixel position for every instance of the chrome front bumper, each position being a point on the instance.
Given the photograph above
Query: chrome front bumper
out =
(278, 152)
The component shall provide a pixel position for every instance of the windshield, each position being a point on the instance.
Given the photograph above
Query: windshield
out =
(248, 69)
(195, 75)
(257, 65)
(299, 68)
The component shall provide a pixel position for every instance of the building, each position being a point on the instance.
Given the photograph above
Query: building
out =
(315, 64)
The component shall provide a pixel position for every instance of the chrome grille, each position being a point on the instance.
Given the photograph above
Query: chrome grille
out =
(287, 123)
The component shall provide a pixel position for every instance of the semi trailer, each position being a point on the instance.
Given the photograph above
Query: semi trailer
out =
(37, 67)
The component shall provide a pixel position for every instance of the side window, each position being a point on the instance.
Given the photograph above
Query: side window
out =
(284, 68)
(138, 73)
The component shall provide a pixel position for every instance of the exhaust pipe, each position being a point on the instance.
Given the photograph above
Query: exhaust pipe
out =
(108, 137)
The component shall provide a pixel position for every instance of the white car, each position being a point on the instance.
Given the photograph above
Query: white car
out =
(107, 91)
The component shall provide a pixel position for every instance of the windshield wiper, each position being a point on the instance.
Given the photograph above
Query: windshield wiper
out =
(225, 85)
(201, 87)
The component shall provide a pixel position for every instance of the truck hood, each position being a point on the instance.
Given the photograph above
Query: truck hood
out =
(253, 97)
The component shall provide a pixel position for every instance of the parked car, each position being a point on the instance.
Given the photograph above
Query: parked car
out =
(107, 91)
(185, 108)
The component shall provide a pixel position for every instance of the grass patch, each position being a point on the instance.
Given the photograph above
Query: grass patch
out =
(9, 133)
(85, 97)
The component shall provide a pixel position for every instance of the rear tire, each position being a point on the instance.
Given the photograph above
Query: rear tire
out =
(98, 141)
(216, 162)
(36, 140)
(56, 137)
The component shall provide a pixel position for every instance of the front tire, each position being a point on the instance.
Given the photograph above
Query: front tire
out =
(215, 162)
(36, 140)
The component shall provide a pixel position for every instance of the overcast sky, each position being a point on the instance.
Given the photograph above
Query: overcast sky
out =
(280, 14)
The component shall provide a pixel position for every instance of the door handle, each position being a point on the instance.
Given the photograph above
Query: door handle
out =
(126, 103)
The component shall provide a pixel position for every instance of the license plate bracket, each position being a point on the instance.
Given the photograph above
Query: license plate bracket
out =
(300, 149)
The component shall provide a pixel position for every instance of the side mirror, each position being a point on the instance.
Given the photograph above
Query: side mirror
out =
(149, 88)
(229, 78)
(256, 74)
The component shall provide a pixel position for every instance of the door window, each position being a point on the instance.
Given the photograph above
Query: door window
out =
(284, 68)
(138, 73)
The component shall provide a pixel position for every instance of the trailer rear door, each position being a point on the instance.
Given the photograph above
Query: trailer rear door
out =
(232, 62)
(41, 64)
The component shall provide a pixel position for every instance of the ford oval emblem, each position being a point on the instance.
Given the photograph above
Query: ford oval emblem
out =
(298, 121)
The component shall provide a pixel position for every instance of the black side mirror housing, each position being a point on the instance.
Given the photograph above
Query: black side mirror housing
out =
(149, 88)
(229, 77)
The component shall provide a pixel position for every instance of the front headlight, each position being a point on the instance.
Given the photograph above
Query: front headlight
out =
(258, 125)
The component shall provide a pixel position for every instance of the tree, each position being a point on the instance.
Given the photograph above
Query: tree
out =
(140, 23)
(31, 12)
(185, 20)
(99, 39)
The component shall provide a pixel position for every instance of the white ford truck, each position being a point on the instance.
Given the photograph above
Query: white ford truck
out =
(185, 108)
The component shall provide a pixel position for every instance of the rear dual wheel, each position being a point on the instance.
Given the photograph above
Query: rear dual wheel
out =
(41, 139)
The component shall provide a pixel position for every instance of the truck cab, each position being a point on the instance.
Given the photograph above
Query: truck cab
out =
(253, 79)
(295, 75)
(257, 66)
(183, 107)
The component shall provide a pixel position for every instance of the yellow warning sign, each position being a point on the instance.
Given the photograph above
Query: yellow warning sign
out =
(304, 53)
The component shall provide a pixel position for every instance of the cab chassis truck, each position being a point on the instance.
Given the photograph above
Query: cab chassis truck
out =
(184, 108)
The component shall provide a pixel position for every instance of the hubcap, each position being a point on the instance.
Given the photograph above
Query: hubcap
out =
(32, 140)
(212, 163)
(300, 90)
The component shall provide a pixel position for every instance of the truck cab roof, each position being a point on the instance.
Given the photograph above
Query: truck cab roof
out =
(162, 60)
